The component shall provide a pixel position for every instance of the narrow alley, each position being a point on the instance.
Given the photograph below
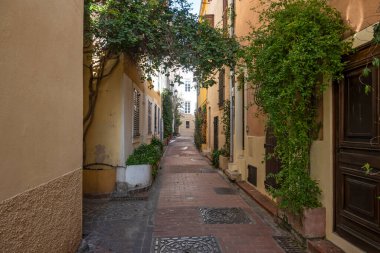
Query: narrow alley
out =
(191, 208)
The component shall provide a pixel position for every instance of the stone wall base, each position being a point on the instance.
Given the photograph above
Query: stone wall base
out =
(47, 218)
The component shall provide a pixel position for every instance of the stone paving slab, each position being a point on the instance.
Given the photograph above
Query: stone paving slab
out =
(183, 194)
(185, 184)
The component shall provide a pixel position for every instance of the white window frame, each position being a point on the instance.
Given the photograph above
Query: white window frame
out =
(187, 107)
(187, 86)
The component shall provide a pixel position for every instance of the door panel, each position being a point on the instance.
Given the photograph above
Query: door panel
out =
(357, 208)
(216, 133)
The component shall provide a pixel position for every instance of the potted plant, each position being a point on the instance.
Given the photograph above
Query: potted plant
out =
(142, 165)
(310, 224)
(223, 159)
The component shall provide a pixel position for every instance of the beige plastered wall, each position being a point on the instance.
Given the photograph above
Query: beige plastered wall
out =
(187, 132)
(253, 130)
(322, 156)
(214, 110)
(41, 125)
(360, 15)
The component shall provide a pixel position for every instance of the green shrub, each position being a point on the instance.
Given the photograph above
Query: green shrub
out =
(158, 143)
(215, 158)
(145, 154)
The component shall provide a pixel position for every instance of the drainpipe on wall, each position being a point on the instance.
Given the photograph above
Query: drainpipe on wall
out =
(232, 89)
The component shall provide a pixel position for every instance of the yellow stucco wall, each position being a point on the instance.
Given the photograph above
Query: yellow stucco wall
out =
(110, 138)
(102, 146)
(97, 182)
(210, 96)
(41, 125)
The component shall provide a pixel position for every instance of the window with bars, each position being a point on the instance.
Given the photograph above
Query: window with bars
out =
(221, 87)
(187, 107)
(136, 113)
(159, 120)
(149, 117)
(187, 124)
(155, 118)
(187, 86)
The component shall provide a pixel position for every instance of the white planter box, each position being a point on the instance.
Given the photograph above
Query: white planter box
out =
(121, 184)
(133, 177)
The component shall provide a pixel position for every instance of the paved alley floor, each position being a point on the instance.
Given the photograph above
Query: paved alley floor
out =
(191, 208)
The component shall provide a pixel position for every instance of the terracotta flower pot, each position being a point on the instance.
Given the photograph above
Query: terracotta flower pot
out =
(312, 224)
(223, 162)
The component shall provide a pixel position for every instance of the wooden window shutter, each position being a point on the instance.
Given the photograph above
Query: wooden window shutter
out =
(221, 87)
(136, 113)
(225, 14)
(149, 117)
(155, 118)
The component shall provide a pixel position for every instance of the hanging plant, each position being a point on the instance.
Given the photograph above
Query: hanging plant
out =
(291, 59)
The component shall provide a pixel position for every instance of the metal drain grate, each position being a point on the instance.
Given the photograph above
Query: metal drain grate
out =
(224, 191)
(288, 244)
(224, 216)
(204, 244)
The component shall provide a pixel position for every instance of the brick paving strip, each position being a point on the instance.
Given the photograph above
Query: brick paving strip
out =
(191, 208)
(187, 193)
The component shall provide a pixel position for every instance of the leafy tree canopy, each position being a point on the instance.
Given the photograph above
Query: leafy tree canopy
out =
(160, 35)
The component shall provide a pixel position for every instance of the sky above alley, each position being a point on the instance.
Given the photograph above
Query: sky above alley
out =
(195, 4)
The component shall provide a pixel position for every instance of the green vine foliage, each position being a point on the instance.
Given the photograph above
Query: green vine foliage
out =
(225, 151)
(177, 114)
(167, 112)
(200, 126)
(159, 35)
(291, 59)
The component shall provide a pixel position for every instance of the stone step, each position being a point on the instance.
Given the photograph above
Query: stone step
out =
(233, 175)
(322, 246)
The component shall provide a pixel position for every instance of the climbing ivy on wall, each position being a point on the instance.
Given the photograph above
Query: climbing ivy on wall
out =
(167, 112)
(291, 59)
(226, 119)
(200, 126)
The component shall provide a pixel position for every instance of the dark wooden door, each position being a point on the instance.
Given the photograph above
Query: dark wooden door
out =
(216, 133)
(272, 164)
(357, 207)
